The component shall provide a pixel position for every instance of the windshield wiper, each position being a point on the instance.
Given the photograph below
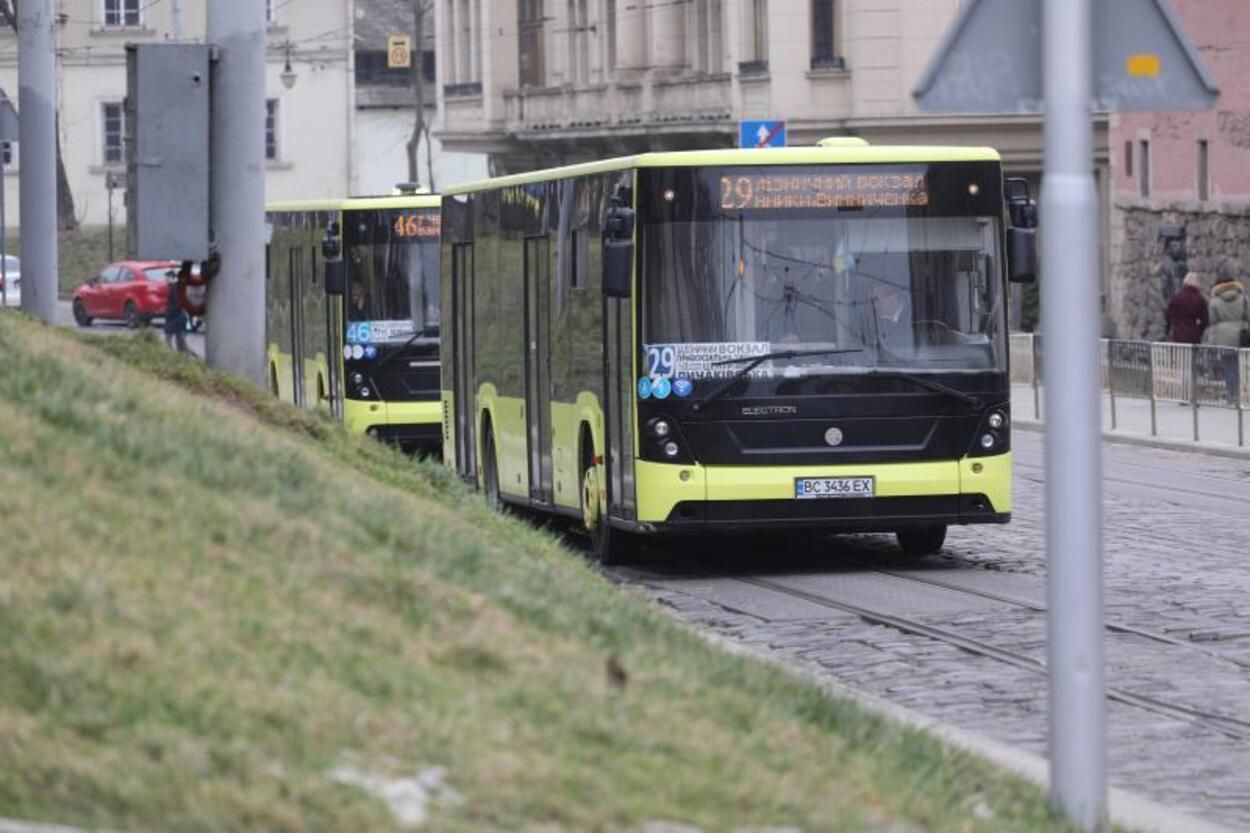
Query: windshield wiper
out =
(424, 331)
(753, 362)
(931, 384)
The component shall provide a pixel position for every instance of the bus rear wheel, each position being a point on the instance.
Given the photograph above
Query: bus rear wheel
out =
(608, 546)
(924, 540)
(490, 470)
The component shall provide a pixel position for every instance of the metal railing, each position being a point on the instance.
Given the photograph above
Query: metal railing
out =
(1197, 375)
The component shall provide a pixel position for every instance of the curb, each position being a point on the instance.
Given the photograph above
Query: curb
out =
(1144, 441)
(1124, 808)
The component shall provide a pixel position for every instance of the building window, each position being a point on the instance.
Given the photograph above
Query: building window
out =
(6, 153)
(1204, 179)
(122, 13)
(1143, 167)
(270, 17)
(427, 65)
(759, 31)
(271, 129)
(372, 70)
(610, 14)
(113, 119)
(530, 27)
(824, 44)
(1128, 158)
(708, 35)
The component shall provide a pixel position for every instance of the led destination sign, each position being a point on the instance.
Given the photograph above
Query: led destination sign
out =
(763, 192)
(424, 224)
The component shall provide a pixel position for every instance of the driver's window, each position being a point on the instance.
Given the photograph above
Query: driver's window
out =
(111, 274)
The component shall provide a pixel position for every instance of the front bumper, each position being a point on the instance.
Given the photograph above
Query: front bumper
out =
(402, 423)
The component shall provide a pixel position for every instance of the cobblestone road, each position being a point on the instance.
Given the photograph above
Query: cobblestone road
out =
(1177, 547)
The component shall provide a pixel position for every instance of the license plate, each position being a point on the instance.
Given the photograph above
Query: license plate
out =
(833, 487)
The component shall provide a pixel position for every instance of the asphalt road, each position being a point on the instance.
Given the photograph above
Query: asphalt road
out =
(65, 318)
(961, 636)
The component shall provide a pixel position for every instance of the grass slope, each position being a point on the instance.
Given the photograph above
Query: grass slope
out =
(209, 601)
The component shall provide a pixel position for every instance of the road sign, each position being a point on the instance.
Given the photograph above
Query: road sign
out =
(398, 52)
(756, 133)
(991, 60)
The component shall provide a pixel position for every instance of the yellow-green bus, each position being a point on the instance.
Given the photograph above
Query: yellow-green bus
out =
(367, 350)
(738, 340)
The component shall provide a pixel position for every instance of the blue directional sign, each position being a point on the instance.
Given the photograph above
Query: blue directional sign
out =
(759, 133)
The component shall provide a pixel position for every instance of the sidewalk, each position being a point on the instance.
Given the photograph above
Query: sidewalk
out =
(1174, 423)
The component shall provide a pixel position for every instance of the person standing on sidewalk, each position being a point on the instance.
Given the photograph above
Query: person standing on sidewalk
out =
(1230, 326)
(175, 316)
(1187, 312)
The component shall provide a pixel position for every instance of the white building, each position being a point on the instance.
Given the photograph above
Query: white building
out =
(385, 101)
(310, 124)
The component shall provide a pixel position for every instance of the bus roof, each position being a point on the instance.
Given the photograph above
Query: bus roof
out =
(295, 206)
(393, 201)
(848, 155)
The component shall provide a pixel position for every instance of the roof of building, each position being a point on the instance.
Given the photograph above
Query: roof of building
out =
(378, 19)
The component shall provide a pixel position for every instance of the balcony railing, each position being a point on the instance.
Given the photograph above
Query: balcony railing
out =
(695, 99)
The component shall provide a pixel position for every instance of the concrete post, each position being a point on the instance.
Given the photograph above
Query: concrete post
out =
(1069, 218)
(236, 296)
(36, 107)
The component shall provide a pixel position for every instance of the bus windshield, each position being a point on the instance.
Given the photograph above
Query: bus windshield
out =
(392, 274)
(871, 265)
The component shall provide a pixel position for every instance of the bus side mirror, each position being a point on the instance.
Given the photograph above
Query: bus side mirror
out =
(1020, 205)
(336, 277)
(1021, 255)
(618, 251)
(618, 261)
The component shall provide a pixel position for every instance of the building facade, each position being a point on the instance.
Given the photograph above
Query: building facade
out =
(536, 83)
(386, 98)
(309, 95)
(1183, 176)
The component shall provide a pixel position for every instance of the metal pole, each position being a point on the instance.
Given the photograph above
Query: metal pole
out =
(108, 182)
(36, 61)
(1193, 386)
(175, 19)
(1154, 417)
(236, 296)
(1037, 400)
(1070, 264)
(4, 240)
(1110, 380)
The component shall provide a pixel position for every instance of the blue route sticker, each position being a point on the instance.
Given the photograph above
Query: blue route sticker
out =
(644, 388)
(661, 388)
(371, 352)
(683, 387)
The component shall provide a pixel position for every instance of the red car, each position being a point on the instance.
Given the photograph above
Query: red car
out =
(134, 291)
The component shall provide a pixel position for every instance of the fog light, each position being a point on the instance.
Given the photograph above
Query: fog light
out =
(987, 441)
(372, 432)
(660, 428)
(364, 393)
(997, 420)
(358, 379)
(671, 449)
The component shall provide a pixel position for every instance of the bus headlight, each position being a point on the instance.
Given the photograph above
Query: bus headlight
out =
(996, 420)
(671, 449)
(659, 428)
(364, 391)
(988, 441)
(358, 378)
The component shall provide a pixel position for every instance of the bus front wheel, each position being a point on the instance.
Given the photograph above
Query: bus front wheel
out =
(922, 541)
(608, 546)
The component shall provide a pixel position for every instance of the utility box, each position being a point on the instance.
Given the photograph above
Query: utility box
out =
(167, 133)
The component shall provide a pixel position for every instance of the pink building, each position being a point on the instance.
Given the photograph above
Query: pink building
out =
(1183, 170)
(1204, 155)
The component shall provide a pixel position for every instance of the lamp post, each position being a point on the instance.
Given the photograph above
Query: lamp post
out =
(112, 181)
(288, 75)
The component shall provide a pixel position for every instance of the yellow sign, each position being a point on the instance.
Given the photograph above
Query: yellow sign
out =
(1144, 66)
(399, 52)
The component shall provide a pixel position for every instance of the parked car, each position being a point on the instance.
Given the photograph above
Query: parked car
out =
(12, 281)
(131, 290)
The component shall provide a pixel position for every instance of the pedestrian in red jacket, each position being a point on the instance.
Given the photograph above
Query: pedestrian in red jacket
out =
(1187, 313)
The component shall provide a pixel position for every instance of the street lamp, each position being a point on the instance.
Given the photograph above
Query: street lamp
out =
(288, 75)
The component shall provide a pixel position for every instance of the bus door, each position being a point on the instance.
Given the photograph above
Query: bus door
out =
(618, 388)
(538, 366)
(296, 271)
(462, 385)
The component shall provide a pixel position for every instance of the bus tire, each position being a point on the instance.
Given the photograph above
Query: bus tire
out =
(490, 469)
(608, 546)
(924, 540)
